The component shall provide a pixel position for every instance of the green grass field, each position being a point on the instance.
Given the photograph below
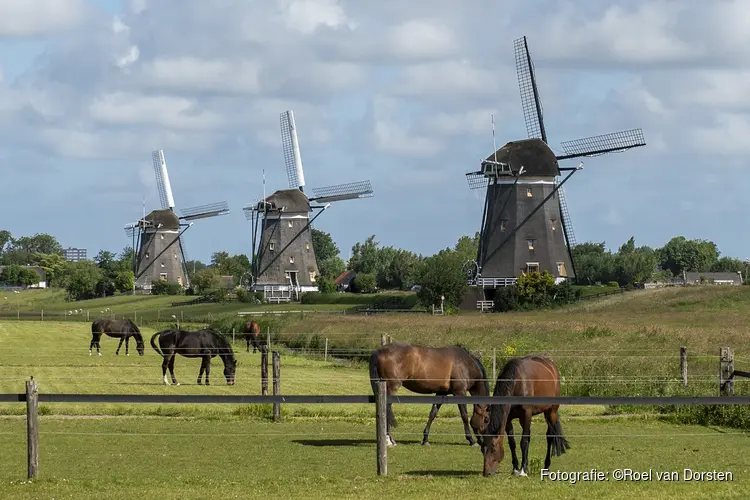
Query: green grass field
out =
(626, 345)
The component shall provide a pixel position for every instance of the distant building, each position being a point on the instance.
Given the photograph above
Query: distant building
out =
(344, 281)
(712, 278)
(74, 254)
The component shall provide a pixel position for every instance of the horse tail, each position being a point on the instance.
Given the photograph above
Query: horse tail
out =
(374, 377)
(559, 443)
(153, 344)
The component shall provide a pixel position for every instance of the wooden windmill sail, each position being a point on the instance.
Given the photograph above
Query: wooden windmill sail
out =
(283, 260)
(525, 222)
(160, 252)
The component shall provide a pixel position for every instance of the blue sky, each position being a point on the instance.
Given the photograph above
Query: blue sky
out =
(396, 92)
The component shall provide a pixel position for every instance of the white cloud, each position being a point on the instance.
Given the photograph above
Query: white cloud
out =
(39, 17)
(171, 112)
(308, 15)
(448, 79)
(727, 137)
(202, 75)
(421, 39)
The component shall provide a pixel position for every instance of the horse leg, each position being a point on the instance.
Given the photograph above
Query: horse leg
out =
(391, 388)
(433, 414)
(127, 340)
(117, 352)
(164, 364)
(465, 418)
(208, 367)
(512, 446)
(203, 368)
(171, 369)
(525, 440)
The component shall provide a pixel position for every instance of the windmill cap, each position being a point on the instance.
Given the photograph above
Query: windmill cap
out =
(166, 218)
(534, 155)
(293, 201)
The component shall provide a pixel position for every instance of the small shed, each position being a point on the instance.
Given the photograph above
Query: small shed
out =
(344, 280)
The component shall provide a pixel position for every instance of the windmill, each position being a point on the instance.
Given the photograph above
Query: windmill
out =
(160, 254)
(283, 259)
(525, 222)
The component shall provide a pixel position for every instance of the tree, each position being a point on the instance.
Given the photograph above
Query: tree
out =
(82, 279)
(28, 277)
(124, 281)
(728, 265)
(6, 240)
(635, 264)
(442, 274)
(402, 270)
(206, 280)
(682, 255)
(364, 257)
(332, 267)
(226, 265)
(324, 246)
(55, 266)
(594, 264)
(364, 283)
(39, 243)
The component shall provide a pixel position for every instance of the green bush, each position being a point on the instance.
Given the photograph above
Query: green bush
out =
(364, 283)
(613, 284)
(325, 285)
(164, 287)
(535, 292)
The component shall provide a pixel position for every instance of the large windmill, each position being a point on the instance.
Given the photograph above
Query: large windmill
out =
(283, 259)
(525, 222)
(160, 254)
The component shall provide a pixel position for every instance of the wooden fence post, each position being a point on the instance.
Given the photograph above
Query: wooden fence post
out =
(382, 339)
(726, 371)
(325, 353)
(232, 335)
(32, 426)
(264, 372)
(42, 314)
(381, 428)
(276, 376)
(683, 365)
(268, 338)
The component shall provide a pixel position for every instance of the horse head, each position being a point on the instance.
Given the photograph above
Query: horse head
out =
(493, 451)
(230, 367)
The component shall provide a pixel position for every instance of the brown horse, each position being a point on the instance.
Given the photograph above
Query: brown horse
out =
(116, 328)
(251, 334)
(429, 370)
(529, 376)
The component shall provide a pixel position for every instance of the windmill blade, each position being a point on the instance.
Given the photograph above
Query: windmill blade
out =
(350, 191)
(130, 229)
(602, 144)
(477, 180)
(292, 156)
(532, 105)
(566, 223)
(204, 211)
(162, 179)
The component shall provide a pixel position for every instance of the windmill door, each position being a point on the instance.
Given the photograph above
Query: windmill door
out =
(293, 278)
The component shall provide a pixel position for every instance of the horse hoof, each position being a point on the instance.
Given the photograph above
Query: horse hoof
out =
(425, 443)
(473, 444)
(89, 353)
(516, 472)
(176, 383)
(126, 354)
(522, 474)
(99, 353)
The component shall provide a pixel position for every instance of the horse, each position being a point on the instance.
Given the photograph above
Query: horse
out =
(116, 328)
(532, 375)
(251, 334)
(430, 370)
(204, 344)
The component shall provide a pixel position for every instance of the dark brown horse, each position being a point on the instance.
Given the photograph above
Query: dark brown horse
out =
(529, 376)
(204, 344)
(116, 328)
(429, 370)
(251, 334)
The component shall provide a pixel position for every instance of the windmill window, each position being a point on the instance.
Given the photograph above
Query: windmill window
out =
(528, 192)
(289, 223)
(312, 275)
(162, 264)
(554, 224)
(307, 245)
(291, 260)
(503, 222)
(147, 255)
(532, 267)
(163, 276)
(531, 244)
(271, 246)
(162, 236)
(561, 271)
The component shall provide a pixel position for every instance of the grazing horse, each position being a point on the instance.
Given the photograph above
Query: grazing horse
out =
(429, 370)
(251, 334)
(528, 376)
(116, 328)
(204, 344)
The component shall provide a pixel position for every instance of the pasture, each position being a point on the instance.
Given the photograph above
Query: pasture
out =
(624, 345)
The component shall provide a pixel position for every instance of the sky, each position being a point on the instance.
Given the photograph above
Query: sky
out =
(400, 93)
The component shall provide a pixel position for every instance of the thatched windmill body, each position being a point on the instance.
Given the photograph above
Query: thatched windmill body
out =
(283, 260)
(525, 222)
(160, 251)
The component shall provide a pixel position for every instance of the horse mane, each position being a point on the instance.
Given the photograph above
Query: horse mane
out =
(222, 341)
(480, 365)
(504, 385)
